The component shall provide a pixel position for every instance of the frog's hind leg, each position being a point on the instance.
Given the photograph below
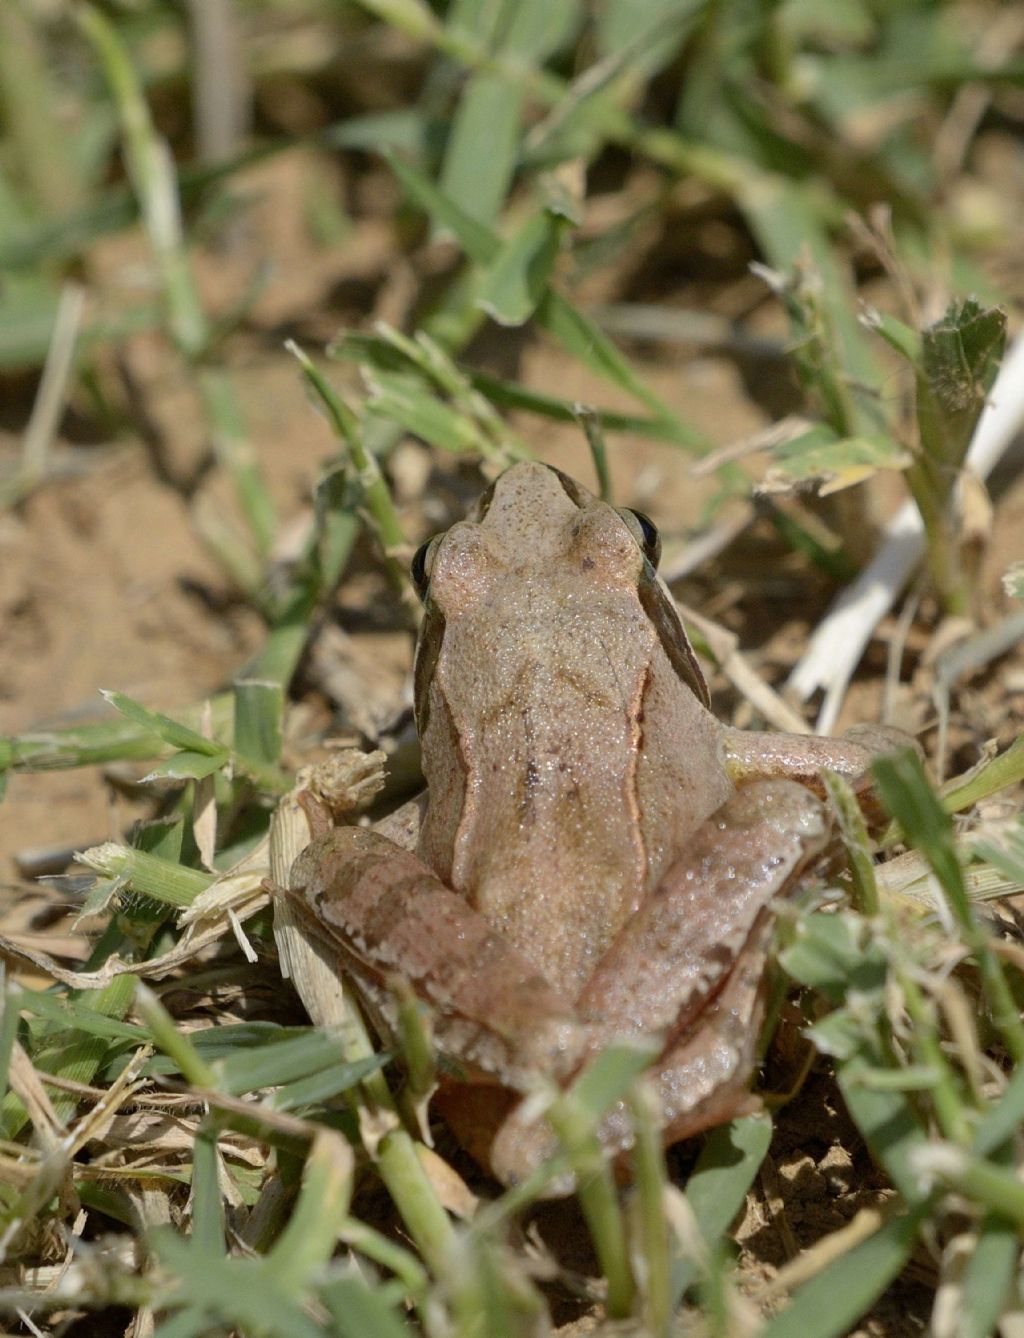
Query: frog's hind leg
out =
(703, 1079)
(700, 1081)
(384, 914)
(672, 958)
(689, 968)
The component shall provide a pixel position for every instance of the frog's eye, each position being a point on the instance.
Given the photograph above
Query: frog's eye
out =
(419, 568)
(645, 532)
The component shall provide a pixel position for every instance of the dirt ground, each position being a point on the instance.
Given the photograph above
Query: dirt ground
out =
(105, 582)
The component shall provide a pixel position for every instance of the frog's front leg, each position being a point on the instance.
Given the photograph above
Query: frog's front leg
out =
(386, 914)
(689, 968)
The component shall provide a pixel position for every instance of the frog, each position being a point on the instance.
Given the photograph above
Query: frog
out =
(597, 858)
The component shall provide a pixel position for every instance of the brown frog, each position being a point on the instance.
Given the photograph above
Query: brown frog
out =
(597, 856)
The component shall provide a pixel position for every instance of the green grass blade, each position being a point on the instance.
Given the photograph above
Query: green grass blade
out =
(576, 333)
(989, 1277)
(992, 776)
(187, 766)
(174, 1043)
(164, 880)
(327, 1083)
(1004, 1118)
(67, 1014)
(259, 720)
(285, 1060)
(579, 336)
(8, 1029)
(414, 1196)
(477, 240)
(153, 180)
(170, 731)
(207, 1236)
(308, 1241)
(483, 145)
(909, 798)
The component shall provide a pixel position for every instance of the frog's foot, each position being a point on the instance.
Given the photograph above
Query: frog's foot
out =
(701, 1081)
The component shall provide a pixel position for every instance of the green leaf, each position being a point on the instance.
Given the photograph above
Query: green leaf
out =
(327, 1082)
(382, 355)
(219, 1042)
(832, 953)
(725, 1170)
(68, 1014)
(821, 456)
(960, 356)
(237, 1291)
(360, 1312)
(9, 1017)
(993, 775)
(99, 897)
(510, 395)
(830, 1304)
(483, 146)
(728, 1163)
(1003, 1119)
(839, 1035)
(575, 332)
(28, 313)
(1006, 853)
(886, 1119)
(408, 401)
(162, 879)
(192, 1322)
(478, 242)
(908, 797)
(903, 338)
(786, 218)
(207, 1202)
(337, 523)
(665, 23)
(516, 280)
(609, 1077)
(579, 336)
(287, 1058)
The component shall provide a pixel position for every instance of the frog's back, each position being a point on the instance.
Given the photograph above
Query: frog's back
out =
(567, 758)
